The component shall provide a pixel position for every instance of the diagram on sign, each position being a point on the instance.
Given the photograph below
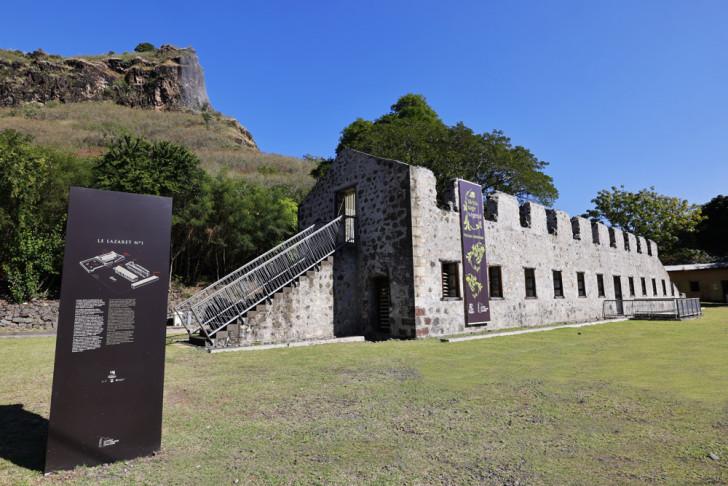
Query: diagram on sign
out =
(120, 271)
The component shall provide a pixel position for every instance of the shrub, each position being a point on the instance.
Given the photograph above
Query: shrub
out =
(33, 192)
(145, 47)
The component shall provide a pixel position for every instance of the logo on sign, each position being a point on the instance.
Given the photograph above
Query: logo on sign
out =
(107, 441)
(112, 377)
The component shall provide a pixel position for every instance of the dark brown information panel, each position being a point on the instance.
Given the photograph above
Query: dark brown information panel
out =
(475, 267)
(106, 403)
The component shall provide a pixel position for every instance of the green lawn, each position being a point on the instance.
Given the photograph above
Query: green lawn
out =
(631, 402)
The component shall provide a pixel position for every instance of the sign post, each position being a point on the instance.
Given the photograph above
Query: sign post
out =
(106, 403)
(475, 267)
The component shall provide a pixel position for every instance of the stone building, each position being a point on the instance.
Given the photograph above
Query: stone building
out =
(400, 272)
(707, 281)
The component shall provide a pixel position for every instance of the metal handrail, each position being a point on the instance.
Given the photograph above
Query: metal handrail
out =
(235, 294)
(675, 308)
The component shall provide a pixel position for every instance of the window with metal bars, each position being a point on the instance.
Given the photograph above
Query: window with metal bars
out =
(558, 284)
(450, 277)
(381, 303)
(581, 284)
(495, 278)
(347, 208)
(530, 275)
(600, 285)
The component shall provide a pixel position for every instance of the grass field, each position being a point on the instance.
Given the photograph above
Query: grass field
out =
(631, 402)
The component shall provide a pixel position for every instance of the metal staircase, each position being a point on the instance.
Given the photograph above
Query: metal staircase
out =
(231, 297)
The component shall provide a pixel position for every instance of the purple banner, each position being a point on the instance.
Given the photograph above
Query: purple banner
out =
(475, 268)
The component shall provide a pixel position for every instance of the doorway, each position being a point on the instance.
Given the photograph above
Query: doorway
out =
(618, 295)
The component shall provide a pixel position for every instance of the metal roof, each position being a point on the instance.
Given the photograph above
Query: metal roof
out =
(696, 266)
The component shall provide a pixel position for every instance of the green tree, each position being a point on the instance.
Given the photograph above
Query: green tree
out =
(161, 168)
(712, 233)
(32, 214)
(660, 218)
(412, 132)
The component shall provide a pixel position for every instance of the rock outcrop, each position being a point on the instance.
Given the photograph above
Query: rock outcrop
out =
(167, 78)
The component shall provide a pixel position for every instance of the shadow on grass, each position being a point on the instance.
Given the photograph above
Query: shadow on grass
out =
(23, 436)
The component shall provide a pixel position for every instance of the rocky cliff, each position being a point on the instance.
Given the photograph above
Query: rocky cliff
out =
(163, 79)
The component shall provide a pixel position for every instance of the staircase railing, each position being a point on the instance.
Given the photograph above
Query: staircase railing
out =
(224, 301)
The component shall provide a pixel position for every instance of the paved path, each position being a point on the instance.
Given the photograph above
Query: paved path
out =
(526, 331)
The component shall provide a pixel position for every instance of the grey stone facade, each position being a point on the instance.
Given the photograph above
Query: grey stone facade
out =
(402, 236)
(383, 246)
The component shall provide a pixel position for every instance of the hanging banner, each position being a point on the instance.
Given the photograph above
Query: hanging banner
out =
(475, 268)
(106, 403)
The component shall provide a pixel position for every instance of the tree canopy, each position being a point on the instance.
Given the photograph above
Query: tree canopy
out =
(413, 132)
(660, 218)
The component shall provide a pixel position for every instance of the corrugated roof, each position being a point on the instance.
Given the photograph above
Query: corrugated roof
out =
(696, 266)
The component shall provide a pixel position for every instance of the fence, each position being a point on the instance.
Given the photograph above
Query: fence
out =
(652, 308)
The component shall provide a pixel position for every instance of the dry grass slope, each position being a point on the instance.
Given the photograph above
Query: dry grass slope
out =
(87, 128)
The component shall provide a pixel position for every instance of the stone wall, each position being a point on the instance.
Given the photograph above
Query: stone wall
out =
(520, 237)
(383, 247)
(39, 315)
(402, 234)
(42, 314)
(300, 312)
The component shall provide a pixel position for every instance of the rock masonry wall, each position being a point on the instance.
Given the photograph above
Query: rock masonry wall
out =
(526, 236)
(383, 246)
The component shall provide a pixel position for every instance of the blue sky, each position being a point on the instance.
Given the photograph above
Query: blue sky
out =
(609, 92)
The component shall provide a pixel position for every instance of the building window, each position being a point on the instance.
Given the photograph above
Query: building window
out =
(581, 284)
(694, 286)
(347, 209)
(450, 280)
(600, 285)
(530, 274)
(496, 282)
(558, 284)
(654, 286)
(649, 248)
(664, 288)
(631, 286)
(644, 286)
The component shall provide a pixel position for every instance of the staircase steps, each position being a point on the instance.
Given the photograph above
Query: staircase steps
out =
(255, 285)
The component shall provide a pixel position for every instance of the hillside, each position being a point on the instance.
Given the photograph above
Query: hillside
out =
(86, 129)
(79, 104)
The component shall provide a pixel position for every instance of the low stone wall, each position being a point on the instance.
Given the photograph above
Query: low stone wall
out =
(42, 315)
(39, 315)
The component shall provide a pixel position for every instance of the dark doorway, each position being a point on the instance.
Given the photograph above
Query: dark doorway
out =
(381, 303)
(618, 294)
(724, 283)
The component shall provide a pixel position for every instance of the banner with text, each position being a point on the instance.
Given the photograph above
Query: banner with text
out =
(475, 268)
(106, 403)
